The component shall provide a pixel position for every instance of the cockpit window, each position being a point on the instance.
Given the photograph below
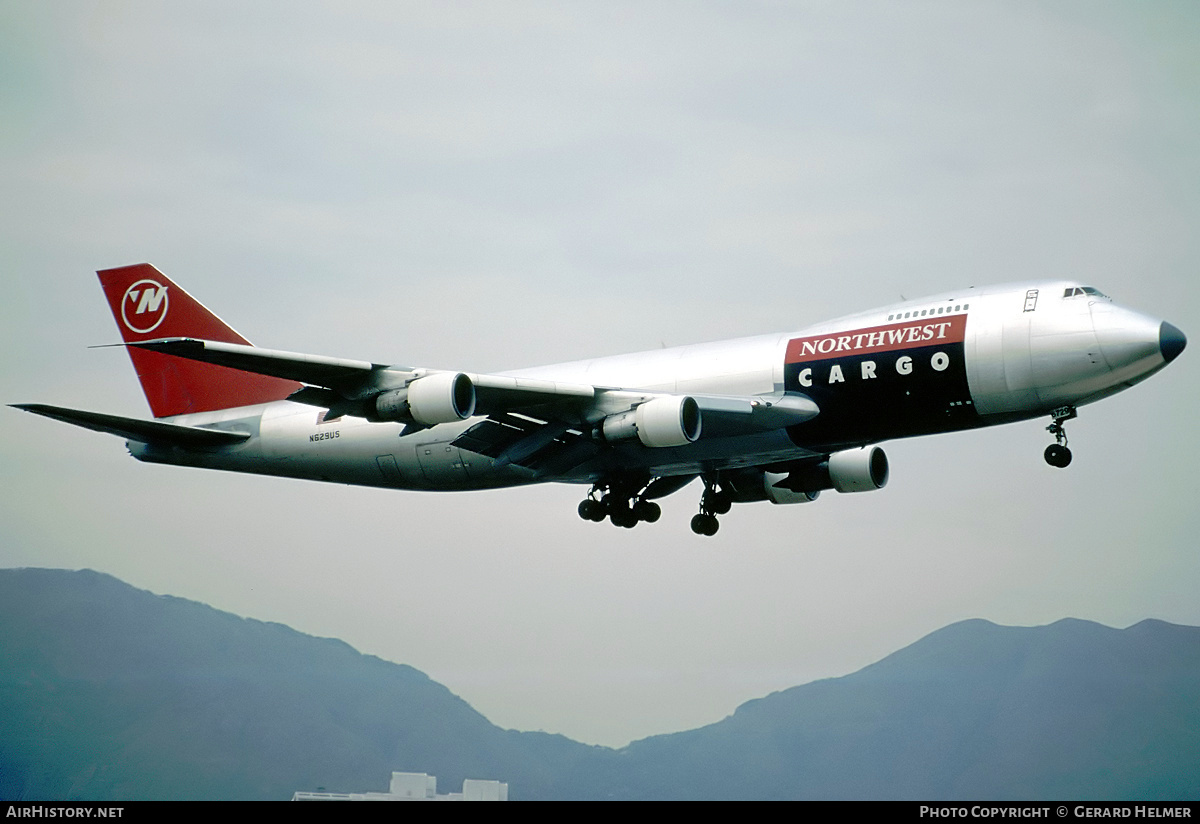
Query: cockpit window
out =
(1077, 291)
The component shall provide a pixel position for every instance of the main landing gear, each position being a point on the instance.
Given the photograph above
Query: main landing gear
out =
(712, 503)
(626, 502)
(622, 504)
(1057, 454)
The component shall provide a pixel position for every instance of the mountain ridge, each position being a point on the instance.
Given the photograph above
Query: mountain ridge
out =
(111, 692)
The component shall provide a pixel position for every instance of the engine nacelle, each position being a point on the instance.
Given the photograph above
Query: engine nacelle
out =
(851, 470)
(443, 397)
(669, 421)
(783, 495)
(858, 470)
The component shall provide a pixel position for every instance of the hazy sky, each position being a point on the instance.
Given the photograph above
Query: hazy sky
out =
(492, 185)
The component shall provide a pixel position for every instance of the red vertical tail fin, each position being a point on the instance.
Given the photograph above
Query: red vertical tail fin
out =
(148, 306)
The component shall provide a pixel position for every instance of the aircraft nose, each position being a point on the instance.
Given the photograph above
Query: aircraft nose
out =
(1132, 343)
(1170, 341)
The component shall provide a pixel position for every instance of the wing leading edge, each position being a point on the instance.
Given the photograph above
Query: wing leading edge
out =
(354, 380)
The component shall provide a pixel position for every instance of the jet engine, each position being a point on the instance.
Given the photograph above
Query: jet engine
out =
(858, 470)
(745, 486)
(783, 495)
(851, 470)
(443, 397)
(669, 421)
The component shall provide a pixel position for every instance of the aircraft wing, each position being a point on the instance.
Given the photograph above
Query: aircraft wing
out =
(726, 415)
(536, 441)
(356, 380)
(542, 444)
(317, 370)
(133, 429)
(541, 424)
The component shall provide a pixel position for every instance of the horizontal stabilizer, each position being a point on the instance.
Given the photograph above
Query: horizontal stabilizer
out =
(156, 432)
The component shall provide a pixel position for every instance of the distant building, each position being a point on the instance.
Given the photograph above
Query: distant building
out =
(418, 787)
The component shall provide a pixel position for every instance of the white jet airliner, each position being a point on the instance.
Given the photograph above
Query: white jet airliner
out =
(778, 417)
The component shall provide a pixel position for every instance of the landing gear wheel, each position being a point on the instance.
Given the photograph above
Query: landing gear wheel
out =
(718, 503)
(713, 502)
(619, 499)
(1058, 456)
(1057, 453)
(647, 511)
(592, 510)
(705, 524)
(623, 517)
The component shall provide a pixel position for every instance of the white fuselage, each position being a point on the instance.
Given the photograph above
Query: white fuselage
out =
(954, 361)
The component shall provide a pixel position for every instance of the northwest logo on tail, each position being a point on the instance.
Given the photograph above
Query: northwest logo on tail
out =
(144, 306)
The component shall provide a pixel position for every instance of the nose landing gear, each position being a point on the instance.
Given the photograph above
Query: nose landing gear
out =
(1057, 454)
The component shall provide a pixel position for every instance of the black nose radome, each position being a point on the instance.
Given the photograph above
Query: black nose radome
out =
(1170, 341)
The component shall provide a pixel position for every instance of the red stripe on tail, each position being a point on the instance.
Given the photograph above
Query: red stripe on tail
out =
(148, 306)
